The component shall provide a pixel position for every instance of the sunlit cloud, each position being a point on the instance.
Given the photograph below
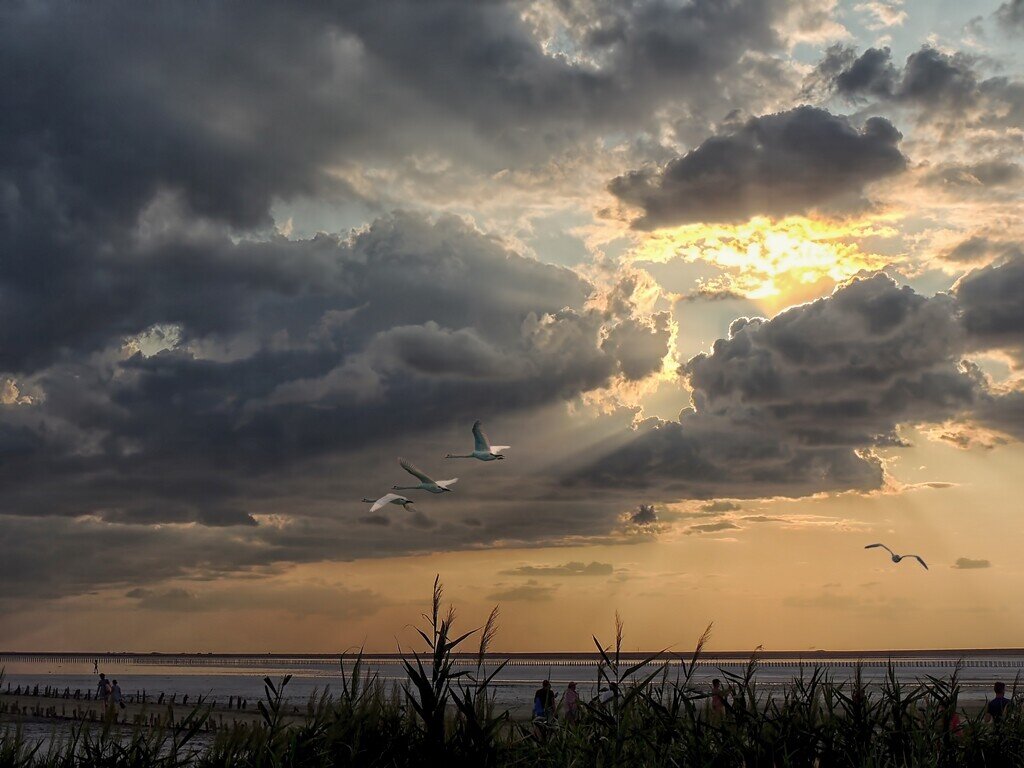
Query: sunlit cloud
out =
(774, 263)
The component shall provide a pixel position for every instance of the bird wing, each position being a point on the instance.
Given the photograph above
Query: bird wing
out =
(480, 438)
(446, 483)
(387, 498)
(872, 546)
(413, 471)
(922, 562)
(499, 448)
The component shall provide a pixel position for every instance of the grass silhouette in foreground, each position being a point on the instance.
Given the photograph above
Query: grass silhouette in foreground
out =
(658, 717)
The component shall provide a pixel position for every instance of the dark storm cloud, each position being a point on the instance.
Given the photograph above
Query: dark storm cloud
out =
(1010, 16)
(947, 92)
(142, 150)
(794, 405)
(775, 165)
(346, 339)
(870, 74)
(114, 116)
(991, 301)
(140, 159)
(1003, 411)
(928, 77)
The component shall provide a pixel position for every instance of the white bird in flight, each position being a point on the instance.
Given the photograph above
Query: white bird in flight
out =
(388, 498)
(426, 483)
(482, 448)
(896, 558)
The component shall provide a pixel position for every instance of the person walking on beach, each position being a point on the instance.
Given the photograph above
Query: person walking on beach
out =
(115, 695)
(103, 689)
(717, 698)
(571, 700)
(544, 701)
(995, 708)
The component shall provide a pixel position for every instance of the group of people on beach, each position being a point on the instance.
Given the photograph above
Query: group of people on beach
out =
(109, 692)
(546, 709)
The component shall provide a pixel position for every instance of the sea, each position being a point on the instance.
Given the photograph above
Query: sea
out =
(220, 677)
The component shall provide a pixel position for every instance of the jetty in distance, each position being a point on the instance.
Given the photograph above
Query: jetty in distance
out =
(973, 657)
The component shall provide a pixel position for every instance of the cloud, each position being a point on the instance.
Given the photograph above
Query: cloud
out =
(831, 600)
(929, 77)
(419, 520)
(724, 525)
(290, 350)
(304, 599)
(973, 250)
(720, 505)
(1010, 16)
(375, 520)
(776, 165)
(987, 173)
(991, 307)
(794, 405)
(708, 294)
(574, 568)
(531, 592)
(967, 563)
(883, 13)
(1001, 410)
(949, 96)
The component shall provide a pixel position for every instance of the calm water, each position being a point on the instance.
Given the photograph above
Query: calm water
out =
(218, 679)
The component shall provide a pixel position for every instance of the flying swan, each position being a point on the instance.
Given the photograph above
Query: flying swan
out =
(482, 449)
(426, 483)
(388, 498)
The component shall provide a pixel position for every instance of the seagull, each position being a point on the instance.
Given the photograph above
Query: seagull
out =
(896, 558)
(482, 450)
(388, 498)
(426, 483)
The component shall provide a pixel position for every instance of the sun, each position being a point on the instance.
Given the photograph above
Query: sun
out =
(773, 263)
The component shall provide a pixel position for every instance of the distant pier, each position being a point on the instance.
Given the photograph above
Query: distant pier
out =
(975, 659)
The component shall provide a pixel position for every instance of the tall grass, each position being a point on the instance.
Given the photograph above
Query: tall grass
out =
(651, 713)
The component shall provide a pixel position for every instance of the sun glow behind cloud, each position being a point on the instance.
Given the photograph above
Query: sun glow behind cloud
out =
(775, 263)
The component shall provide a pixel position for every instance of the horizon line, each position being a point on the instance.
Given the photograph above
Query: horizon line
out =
(583, 655)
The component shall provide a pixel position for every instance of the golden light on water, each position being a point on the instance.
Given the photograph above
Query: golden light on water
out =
(774, 263)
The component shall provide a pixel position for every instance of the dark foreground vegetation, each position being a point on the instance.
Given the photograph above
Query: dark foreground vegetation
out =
(447, 717)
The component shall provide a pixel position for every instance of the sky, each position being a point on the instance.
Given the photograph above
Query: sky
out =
(740, 282)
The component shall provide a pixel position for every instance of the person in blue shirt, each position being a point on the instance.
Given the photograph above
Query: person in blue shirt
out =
(997, 706)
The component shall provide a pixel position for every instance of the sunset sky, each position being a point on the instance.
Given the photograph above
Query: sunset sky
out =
(740, 282)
